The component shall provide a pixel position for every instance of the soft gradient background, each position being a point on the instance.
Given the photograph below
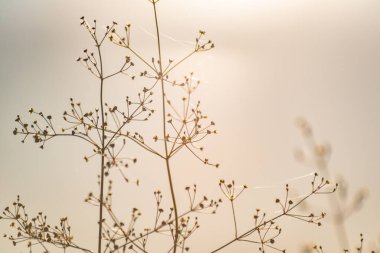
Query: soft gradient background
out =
(275, 60)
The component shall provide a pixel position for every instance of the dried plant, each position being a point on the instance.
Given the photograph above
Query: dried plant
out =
(107, 130)
(265, 229)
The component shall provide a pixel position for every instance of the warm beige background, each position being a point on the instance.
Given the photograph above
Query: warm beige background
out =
(274, 61)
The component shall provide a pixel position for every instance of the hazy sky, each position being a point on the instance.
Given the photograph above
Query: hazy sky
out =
(274, 61)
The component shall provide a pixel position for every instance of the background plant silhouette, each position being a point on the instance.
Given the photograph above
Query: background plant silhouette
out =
(115, 117)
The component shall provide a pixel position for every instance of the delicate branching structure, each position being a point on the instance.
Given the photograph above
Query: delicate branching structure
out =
(35, 230)
(265, 230)
(94, 127)
(107, 130)
(120, 235)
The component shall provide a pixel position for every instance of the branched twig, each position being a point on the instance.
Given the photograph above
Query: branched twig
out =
(36, 230)
(262, 226)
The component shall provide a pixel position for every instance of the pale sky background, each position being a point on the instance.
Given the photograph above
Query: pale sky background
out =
(274, 61)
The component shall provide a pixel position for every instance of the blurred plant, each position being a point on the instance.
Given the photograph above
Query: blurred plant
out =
(106, 129)
(317, 155)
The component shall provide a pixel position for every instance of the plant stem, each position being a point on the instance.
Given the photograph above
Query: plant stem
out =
(233, 214)
(167, 157)
(102, 153)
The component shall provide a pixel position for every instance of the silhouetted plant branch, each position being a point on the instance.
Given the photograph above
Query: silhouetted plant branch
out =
(36, 229)
(262, 226)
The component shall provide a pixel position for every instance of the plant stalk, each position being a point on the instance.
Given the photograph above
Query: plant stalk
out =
(167, 157)
(102, 154)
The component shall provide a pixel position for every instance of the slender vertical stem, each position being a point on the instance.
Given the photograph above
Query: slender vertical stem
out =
(233, 214)
(167, 157)
(102, 153)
